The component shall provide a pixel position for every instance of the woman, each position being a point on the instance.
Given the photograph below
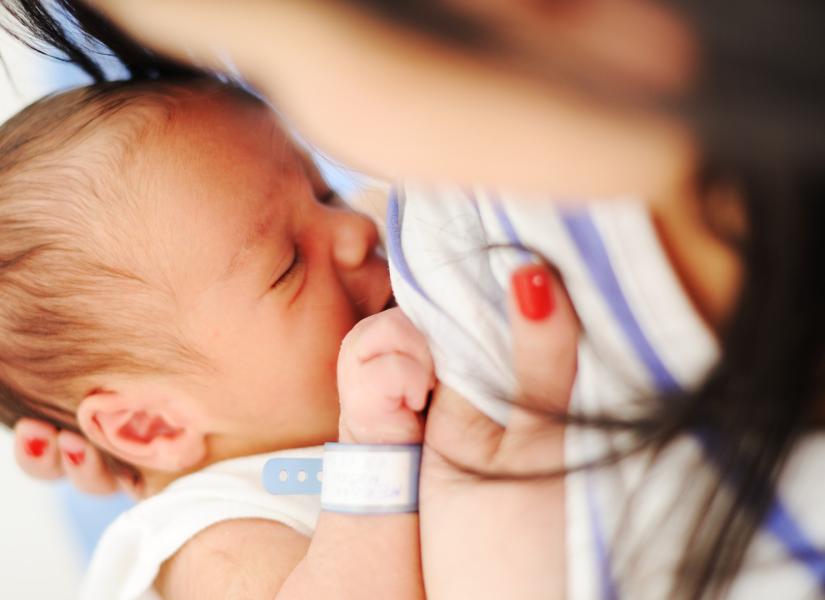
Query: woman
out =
(713, 114)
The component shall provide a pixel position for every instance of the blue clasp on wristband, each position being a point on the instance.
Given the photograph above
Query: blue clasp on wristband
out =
(293, 475)
(352, 478)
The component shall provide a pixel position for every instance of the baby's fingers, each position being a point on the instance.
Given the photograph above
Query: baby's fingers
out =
(386, 332)
(391, 391)
(397, 381)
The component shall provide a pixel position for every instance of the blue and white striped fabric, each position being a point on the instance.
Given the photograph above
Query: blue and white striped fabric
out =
(451, 253)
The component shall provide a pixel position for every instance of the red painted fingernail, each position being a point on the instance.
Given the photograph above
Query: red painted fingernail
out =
(76, 458)
(35, 446)
(534, 292)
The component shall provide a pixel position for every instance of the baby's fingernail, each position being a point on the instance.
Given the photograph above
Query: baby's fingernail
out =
(76, 458)
(35, 446)
(534, 292)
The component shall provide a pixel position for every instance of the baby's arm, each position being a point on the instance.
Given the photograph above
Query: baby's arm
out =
(385, 373)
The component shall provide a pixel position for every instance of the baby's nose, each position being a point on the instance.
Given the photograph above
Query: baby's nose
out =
(355, 239)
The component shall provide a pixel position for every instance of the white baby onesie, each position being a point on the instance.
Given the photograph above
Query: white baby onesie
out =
(129, 555)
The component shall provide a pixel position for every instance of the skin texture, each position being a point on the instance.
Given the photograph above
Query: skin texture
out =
(408, 105)
(404, 96)
(267, 281)
(405, 104)
(385, 373)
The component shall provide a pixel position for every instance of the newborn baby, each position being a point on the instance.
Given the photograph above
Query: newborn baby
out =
(176, 290)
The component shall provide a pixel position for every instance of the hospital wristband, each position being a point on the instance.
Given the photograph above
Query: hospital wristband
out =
(351, 478)
(370, 478)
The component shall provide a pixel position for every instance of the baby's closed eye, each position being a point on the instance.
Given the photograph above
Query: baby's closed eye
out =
(293, 270)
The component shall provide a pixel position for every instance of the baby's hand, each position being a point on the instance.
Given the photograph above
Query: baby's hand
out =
(385, 373)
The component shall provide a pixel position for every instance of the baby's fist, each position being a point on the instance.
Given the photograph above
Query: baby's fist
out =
(385, 373)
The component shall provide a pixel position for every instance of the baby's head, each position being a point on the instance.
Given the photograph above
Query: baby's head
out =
(169, 282)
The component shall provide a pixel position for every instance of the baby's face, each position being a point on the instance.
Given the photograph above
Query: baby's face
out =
(269, 279)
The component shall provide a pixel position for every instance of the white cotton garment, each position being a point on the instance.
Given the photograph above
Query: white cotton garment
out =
(131, 551)
(451, 261)
(452, 251)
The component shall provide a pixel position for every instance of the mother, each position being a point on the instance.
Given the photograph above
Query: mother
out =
(712, 112)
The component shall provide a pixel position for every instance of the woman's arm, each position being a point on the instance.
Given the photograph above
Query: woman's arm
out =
(387, 101)
(503, 538)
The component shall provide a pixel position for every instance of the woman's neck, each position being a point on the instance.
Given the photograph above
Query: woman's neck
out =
(709, 268)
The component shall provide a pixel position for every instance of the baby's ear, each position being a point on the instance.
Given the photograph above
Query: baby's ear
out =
(143, 428)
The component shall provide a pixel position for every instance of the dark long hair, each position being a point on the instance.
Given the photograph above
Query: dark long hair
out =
(76, 33)
(759, 113)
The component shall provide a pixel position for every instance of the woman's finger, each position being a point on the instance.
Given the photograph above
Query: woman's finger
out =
(84, 465)
(459, 432)
(545, 332)
(44, 452)
(36, 450)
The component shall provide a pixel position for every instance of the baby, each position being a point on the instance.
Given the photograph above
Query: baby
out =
(174, 287)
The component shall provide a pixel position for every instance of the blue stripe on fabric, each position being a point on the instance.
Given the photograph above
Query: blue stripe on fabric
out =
(780, 523)
(591, 247)
(509, 230)
(394, 243)
(501, 307)
(608, 585)
(592, 250)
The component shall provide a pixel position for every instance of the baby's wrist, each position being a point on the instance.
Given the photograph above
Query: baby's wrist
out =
(385, 433)
(371, 478)
(345, 436)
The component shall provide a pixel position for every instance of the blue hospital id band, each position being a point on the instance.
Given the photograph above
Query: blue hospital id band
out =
(352, 478)
(288, 476)
(371, 478)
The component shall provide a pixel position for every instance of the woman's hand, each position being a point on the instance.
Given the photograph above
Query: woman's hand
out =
(44, 452)
(503, 536)
(545, 332)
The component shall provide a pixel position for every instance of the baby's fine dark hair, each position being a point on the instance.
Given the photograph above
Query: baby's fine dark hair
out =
(758, 111)
(77, 297)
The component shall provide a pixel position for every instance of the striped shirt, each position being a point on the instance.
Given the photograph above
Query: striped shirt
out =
(451, 254)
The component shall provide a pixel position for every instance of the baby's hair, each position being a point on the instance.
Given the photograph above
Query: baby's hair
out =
(76, 298)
